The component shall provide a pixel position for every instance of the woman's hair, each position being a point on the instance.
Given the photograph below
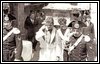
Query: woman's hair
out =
(62, 21)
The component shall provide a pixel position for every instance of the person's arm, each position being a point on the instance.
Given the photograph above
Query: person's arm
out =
(39, 35)
(27, 23)
(91, 50)
(18, 49)
(58, 47)
(92, 31)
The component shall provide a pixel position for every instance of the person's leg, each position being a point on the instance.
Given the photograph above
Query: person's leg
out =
(65, 55)
(34, 44)
(5, 55)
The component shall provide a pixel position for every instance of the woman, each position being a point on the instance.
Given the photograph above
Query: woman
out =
(63, 37)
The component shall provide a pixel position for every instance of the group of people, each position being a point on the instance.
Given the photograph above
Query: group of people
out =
(32, 24)
(12, 40)
(75, 42)
(67, 43)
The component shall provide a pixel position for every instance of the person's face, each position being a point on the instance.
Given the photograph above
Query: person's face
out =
(87, 22)
(77, 32)
(49, 26)
(63, 26)
(7, 25)
(32, 16)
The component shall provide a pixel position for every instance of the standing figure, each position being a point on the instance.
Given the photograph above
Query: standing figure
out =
(11, 47)
(92, 47)
(47, 39)
(40, 17)
(80, 49)
(30, 25)
(63, 37)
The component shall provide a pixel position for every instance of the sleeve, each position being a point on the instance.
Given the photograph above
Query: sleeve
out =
(39, 35)
(26, 25)
(58, 46)
(18, 50)
(10, 38)
(92, 31)
(91, 50)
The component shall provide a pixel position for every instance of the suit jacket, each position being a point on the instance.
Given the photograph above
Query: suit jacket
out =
(31, 28)
(84, 50)
(29, 24)
(89, 30)
(11, 43)
(91, 45)
(79, 53)
(10, 40)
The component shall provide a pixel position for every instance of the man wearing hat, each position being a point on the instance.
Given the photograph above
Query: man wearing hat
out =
(11, 46)
(47, 38)
(10, 39)
(79, 48)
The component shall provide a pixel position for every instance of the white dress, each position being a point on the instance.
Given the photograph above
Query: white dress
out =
(48, 51)
(61, 39)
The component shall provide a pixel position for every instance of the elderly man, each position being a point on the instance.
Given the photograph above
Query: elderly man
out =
(47, 38)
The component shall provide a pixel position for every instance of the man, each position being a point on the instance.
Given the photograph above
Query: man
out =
(80, 49)
(47, 38)
(40, 17)
(89, 30)
(30, 25)
(6, 13)
(11, 46)
(10, 36)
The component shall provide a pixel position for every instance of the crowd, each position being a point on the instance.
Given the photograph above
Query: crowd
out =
(73, 42)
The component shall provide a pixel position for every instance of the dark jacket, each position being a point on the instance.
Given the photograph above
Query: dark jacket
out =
(29, 25)
(91, 45)
(84, 49)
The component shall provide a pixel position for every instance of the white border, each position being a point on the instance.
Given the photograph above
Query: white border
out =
(50, 1)
(1, 32)
(49, 62)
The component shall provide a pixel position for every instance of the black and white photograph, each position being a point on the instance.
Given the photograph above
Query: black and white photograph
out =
(49, 31)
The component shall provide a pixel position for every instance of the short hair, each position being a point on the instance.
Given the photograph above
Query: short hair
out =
(49, 20)
(62, 21)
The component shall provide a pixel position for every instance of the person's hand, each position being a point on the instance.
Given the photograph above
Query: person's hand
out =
(16, 59)
(16, 31)
(58, 58)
